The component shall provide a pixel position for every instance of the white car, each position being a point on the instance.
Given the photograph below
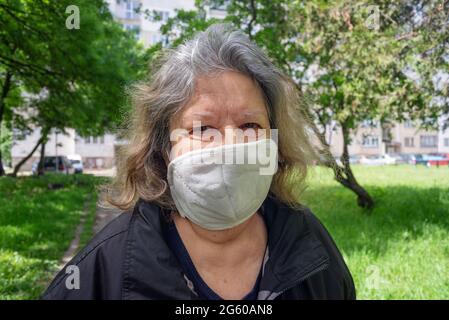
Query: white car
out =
(378, 160)
(77, 162)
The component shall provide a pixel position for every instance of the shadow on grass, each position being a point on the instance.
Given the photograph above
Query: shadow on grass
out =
(401, 212)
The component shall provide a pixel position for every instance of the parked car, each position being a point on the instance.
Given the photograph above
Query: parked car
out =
(338, 160)
(431, 160)
(354, 159)
(436, 160)
(378, 160)
(442, 155)
(418, 159)
(7, 169)
(399, 158)
(407, 158)
(58, 164)
(76, 162)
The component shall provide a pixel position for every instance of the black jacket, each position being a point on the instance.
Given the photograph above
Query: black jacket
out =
(130, 259)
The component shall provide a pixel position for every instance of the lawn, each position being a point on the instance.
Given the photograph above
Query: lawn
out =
(37, 224)
(401, 249)
(398, 251)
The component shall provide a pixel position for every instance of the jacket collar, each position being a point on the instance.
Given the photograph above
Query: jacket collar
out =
(293, 253)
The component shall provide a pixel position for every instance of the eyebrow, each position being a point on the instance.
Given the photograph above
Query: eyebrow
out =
(197, 115)
(200, 115)
(258, 115)
(210, 115)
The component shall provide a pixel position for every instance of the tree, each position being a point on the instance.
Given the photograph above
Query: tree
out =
(348, 58)
(55, 77)
(426, 25)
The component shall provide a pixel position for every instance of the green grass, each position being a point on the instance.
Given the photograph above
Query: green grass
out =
(401, 249)
(88, 226)
(36, 227)
(398, 251)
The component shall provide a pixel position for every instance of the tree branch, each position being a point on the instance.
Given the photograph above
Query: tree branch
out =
(253, 18)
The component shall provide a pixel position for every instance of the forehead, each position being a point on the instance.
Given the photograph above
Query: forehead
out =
(229, 92)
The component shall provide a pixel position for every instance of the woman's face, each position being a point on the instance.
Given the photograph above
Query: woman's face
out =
(225, 108)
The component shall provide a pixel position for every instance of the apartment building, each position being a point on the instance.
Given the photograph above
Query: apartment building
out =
(406, 137)
(132, 15)
(97, 152)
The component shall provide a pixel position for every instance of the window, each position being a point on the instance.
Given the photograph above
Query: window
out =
(156, 38)
(370, 141)
(49, 161)
(408, 124)
(135, 29)
(428, 141)
(131, 7)
(164, 40)
(18, 134)
(165, 15)
(220, 6)
(159, 15)
(446, 142)
(92, 139)
(409, 142)
(369, 123)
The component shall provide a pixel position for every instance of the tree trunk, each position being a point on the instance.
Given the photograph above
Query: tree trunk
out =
(40, 168)
(343, 174)
(5, 90)
(42, 139)
(21, 162)
(2, 170)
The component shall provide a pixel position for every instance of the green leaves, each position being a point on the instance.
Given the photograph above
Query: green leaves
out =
(72, 78)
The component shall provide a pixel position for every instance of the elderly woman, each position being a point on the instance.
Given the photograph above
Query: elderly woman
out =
(208, 184)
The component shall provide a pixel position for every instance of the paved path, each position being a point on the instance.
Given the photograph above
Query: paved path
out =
(71, 251)
(102, 218)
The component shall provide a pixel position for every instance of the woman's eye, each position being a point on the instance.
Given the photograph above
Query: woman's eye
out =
(251, 125)
(199, 129)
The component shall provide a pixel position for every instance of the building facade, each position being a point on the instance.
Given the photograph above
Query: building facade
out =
(406, 137)
(96, 152)
(132, 15)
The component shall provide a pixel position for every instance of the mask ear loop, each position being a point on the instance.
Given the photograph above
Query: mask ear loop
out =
(167, 156)
(281, 160)
(168, 212)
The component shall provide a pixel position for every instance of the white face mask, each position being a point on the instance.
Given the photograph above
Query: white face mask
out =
(221, 187)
